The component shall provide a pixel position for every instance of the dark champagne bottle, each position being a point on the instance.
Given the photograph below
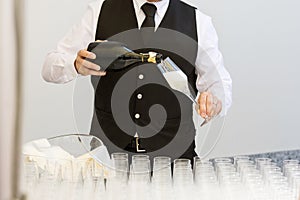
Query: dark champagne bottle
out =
(112, 56)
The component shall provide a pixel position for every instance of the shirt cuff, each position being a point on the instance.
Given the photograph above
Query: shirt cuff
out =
(70, 67)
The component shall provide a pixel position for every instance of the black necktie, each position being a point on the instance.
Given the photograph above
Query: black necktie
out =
(149, 10)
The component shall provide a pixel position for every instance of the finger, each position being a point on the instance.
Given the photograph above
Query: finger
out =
(96, 73)
(214, 103)
(202, 103)
(88, 64)
(86, 54)
(81, 68)
(213, 110)
(209, 105)
(85, 71)
(217, 107)
(101, 40)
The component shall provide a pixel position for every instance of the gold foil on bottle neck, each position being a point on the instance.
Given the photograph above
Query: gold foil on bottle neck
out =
(152, 60)
(152, 57)
(149, 57)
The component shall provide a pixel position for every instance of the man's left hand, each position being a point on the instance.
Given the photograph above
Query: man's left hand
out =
(209, 105)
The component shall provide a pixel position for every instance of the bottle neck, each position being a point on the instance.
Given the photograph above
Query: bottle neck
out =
(150, 57)
(145, 57)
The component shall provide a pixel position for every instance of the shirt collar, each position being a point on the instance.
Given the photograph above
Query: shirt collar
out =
(160, 5)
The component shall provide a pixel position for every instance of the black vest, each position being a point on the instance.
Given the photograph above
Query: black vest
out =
(176, 38)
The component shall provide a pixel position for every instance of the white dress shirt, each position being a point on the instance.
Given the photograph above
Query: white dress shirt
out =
(211, 73)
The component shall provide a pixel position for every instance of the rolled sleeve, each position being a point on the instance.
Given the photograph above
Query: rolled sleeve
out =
(59, 64)
(212, 75)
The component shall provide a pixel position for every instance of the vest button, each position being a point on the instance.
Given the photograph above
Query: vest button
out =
(137, 116)
(141, 76)
(139, 96)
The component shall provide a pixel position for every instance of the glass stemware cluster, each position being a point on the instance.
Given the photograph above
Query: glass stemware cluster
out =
(220, 178)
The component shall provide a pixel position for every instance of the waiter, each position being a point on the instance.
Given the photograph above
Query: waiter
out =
(144, 22)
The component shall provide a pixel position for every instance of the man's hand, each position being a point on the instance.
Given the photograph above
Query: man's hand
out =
(85, 67)
(209, 105)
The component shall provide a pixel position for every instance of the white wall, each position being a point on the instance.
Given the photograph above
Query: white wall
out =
(7, 96)
(261, 46)
(48, 107)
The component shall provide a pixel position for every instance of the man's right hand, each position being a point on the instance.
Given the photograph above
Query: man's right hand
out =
(85, 67)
